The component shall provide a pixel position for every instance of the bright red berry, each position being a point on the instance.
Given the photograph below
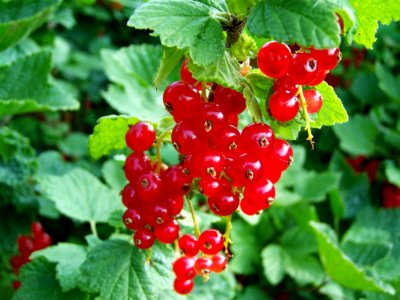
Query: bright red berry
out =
(159, 214)
(285, 84)
(274, 58)
(167, 233)
(184, 268)
(247, 170)
(230, 101)
(129, 196)
(175, 203)
(188, 245)
(42, 241)
(224, 203)
(136, 164)
(203, 265)
(183, 286)
(212, 118)
(187, 138)
(303, 68)
(327, 59)
(281, 157)
(133, 219)
(140, 137)
(283, 107)
(186, 75)
(261, 194)
(219, 263)
(211, 164)
(210, 186)
(211, 241)
(313, 100)
(246, 206)
(143, 238)
(176, 181)
(257, 138)
(148, 187)
(226, 140)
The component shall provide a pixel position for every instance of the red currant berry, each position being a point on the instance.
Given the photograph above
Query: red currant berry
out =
(176, 181)
(148, 187)
(281, 157)
(133, 219)
(188, 245)
(212, 186)
(211, 241)
(261, 194)
(219, 263)
(168, 232)
(16, 284)
(328, 59)
(283, 107)
(143, 238)
(248, 169)
(212, 163)
(257, 138)
(226, 140)
(129, 196)
(140, 137)
(37, 228)
(233, 120)
(224, 203)
(25, 245)
(184, 268)
(212, 118)
(313, 100)
(137, 164)
(17, 261)
(203, 265)
(284, 84)
(160, 214)
(273, 59)
(183, 286)
(175, 203)
(42, 241)
(303, 68)
(186, 138)
(186, 75)
(321, 74)
(191, 166)
(247, 207)
(230, 101)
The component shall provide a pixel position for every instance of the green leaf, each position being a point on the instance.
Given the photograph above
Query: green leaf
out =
(52, 163)
(340, 267)
(18, 20)
(368, 13)
(304, 269)
(75, 145)
(171, 57)
(240, 7)
(305, 22)
(224, 71)
(26, 87)
(39, 282)
(11, 226)
(388, 83)
(184, 24)
(220, 286)
(114, 175)
(81, 196)
(299, 241)
(392, 173)
(253, 107)
(109, 134)
(260, 84)
(69, 258)
(273, 259)
(332, 111)
(117, 270)
(131, 71)
(314, 186)
(358, 136)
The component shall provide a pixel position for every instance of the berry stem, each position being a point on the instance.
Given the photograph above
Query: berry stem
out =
(227, 233)
(93, 228)
(204, 91)
(149, 254)
(158, 150)
(195, 224)
(306, 117)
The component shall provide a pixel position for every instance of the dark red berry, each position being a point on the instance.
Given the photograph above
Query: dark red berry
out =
(188, 245)
(16, 284)
(303, 68)
(25, 245)
(273, 59)
(37, 228)
(167, 233)
(143, 238)
(183, 286)
(140, 137)
(211, 241)
(219, 263)
(230, 101)
(41, 241)
(313, 100)
(184, 268)
(283, 107)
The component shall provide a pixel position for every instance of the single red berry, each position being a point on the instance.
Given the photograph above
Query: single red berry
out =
(188, 245)
(160, 214)
(283, 107)
(176, 181)
(133, 219)
(219, 263)
(17, 261)
(212, 118)
(167, 233)
(247, 170)
(261, 194)
(230, 101)
(136, 164)
(186, 75)
(187, 138)
(148, 187)
(246, 206)
(224, 203)
(175, 203)
(233, 119)
(183, 286)
(25, 245)
(327, 59)
(313, 100)
(211, 241)
(281, 157)
(184, 268)
(42, 241)
(37, 228)
(140, 137)
(274, 58)
(182, 101)
(16, 284)
(285, 84)
(319, 78)
(212, 163)
(257, 138)
(226, 140)
(390, 195)
(191, 165)
(303, 68)
(129, 196)
(203, 265)
(143, 238)
(210, 186)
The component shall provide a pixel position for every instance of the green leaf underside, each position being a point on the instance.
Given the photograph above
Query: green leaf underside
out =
(39, 282)
(81, 196)
(117, 270)
(25, 87)
(368, 13)
(305, 22)
(171, 57)
(18, 20)
(185, 24)
(339, 267)
(109, 134)
(131, 71)
(69, 258)
(225, 71)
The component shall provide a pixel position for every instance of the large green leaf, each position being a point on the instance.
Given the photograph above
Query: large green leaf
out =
(185, 24)
(240, 7)
(39, 282)
(117, 270)
(132, 70)
(368, 13)
(305, 22)
(19, 18)
(273, 260)
(109, 134)
(340, 267)
(26, 87)
(80, 195)
(69, 258)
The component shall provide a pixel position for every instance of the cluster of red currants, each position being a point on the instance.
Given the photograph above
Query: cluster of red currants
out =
(209, 243)
(306, 67)
(27, 245)
(154, 194)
